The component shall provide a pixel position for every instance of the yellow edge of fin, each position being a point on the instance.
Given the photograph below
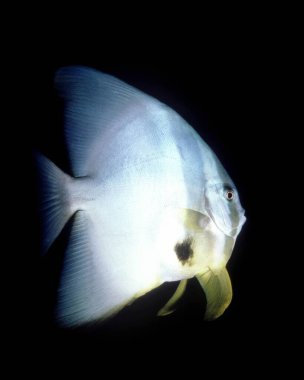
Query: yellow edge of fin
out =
(170, 305)
(218, 291)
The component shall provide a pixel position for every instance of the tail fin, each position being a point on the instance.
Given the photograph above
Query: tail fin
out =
(54, 205)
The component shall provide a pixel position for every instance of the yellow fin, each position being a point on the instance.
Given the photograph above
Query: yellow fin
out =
(170, 305)
(218, 291)
(194, 220)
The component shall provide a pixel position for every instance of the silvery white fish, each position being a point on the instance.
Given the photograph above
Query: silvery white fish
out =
(149, 199)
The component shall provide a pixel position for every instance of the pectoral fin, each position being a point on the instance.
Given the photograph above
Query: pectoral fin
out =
(170, 305)
(218, 291)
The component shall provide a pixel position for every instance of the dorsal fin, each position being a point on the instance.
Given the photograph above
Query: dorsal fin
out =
(96, 103)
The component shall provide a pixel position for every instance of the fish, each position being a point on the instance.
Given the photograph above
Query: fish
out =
(148, 202)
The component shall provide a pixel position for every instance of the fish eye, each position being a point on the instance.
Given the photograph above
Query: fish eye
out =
(229, 194)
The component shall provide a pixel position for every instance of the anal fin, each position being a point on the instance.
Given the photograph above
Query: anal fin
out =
(84, 294)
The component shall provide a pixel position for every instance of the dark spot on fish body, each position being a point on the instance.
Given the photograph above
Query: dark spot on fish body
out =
(184, 251)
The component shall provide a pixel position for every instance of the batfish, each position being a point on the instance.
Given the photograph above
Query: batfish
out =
(149, 202)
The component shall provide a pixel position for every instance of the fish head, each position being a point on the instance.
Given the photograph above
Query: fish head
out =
(207, 218)
(214, 215)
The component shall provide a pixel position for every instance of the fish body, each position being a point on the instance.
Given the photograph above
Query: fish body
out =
(150, 202)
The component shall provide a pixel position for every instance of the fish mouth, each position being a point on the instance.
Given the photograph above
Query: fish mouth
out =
(218, 291)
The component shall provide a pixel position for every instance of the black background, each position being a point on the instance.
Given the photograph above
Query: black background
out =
(227, 89)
